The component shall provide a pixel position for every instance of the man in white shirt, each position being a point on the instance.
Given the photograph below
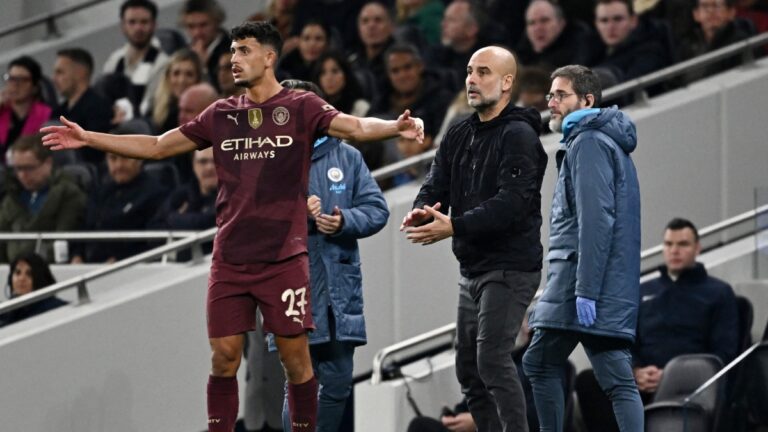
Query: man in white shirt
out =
(140, 60)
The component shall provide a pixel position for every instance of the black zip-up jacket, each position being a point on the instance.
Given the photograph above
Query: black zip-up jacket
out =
(489, 175)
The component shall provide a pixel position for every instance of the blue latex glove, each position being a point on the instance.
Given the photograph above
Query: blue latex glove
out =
(585, 310)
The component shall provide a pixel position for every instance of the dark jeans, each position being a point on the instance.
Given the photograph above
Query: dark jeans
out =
(596, 408)
(332, 362)
(611, 361)
(491, 309)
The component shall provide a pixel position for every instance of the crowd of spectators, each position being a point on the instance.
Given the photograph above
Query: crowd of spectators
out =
(369, 57)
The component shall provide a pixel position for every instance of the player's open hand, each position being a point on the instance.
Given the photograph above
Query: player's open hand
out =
(68, 136)
(417, 217)
(411, 128)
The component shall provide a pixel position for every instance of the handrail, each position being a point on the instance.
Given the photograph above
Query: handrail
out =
(712, 229)
(383, 354)
(193, 241)
(98, 235)
(735, 362)
(378, 360)
(48, 19)
(636, 86)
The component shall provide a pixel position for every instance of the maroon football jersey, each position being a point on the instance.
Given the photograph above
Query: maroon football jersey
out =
(262, 155)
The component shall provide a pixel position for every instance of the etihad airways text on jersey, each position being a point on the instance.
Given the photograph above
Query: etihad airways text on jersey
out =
(258, 142)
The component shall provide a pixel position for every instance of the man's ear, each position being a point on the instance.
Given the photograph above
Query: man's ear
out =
(509, 82)
(589, 100)
(271, 58)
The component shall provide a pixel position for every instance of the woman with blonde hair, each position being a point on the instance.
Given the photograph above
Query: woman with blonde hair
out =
(183, 70)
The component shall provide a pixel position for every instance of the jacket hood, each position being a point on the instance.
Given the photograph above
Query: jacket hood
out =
(610, 121)
(323, 145)
(508, 114)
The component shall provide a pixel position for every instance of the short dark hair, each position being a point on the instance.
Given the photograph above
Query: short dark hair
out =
(264, 32)
(144, 4)
(31, 65)
(584, 81)
(208, 7)
(79, 56)
(728, 3)
(32, 143)
(402, 48)
(309, 86)
(627, 3)
(677, 224)
(391, 14)
(559, 14)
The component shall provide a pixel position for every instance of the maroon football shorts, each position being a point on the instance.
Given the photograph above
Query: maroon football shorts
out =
(280, 290)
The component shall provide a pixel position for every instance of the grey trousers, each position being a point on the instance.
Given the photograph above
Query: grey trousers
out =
(491, 309)
(263, 383)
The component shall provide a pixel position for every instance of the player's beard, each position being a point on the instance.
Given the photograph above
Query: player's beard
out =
(243, 83)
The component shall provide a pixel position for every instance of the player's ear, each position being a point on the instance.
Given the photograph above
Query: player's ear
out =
(271, 58)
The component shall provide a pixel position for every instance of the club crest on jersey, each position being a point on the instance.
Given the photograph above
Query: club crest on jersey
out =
(335, 175)
(255, 118)
(280, 116)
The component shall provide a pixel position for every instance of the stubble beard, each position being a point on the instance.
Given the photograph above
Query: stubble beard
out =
(243, 83)
(556, 125)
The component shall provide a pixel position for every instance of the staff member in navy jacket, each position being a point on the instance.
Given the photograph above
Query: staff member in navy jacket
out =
(592, 291)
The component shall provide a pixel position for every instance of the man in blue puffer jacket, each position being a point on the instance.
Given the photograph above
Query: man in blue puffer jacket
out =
(345, 204)
(592, 291)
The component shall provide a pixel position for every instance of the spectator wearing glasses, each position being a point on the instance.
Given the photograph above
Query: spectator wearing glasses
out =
(37, 198)
(22, 111)
(716, 27)
(632, 47)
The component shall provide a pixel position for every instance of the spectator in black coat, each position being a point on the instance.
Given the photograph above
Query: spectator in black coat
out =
(684, 311)
(416, 89)
(460, 38)
(717, 27)
(29, 272)
(193, 205)
(551, 40)
(127, 200)
(81, 104)
(633, 47)
(202, 20)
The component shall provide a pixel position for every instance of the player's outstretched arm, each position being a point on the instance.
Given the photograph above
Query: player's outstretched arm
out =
(71, 136)
(353, 128)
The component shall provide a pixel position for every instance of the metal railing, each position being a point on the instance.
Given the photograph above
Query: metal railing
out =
(111, 236)
(688, 400)
(80, 282)
(637, 87)
(714, 229)
(379, 360)
(49, 19)
(382, 358)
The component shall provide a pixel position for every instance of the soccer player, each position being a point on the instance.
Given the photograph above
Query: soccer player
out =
(261, 142)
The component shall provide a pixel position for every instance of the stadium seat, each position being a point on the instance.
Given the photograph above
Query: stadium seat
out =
(682, 376)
